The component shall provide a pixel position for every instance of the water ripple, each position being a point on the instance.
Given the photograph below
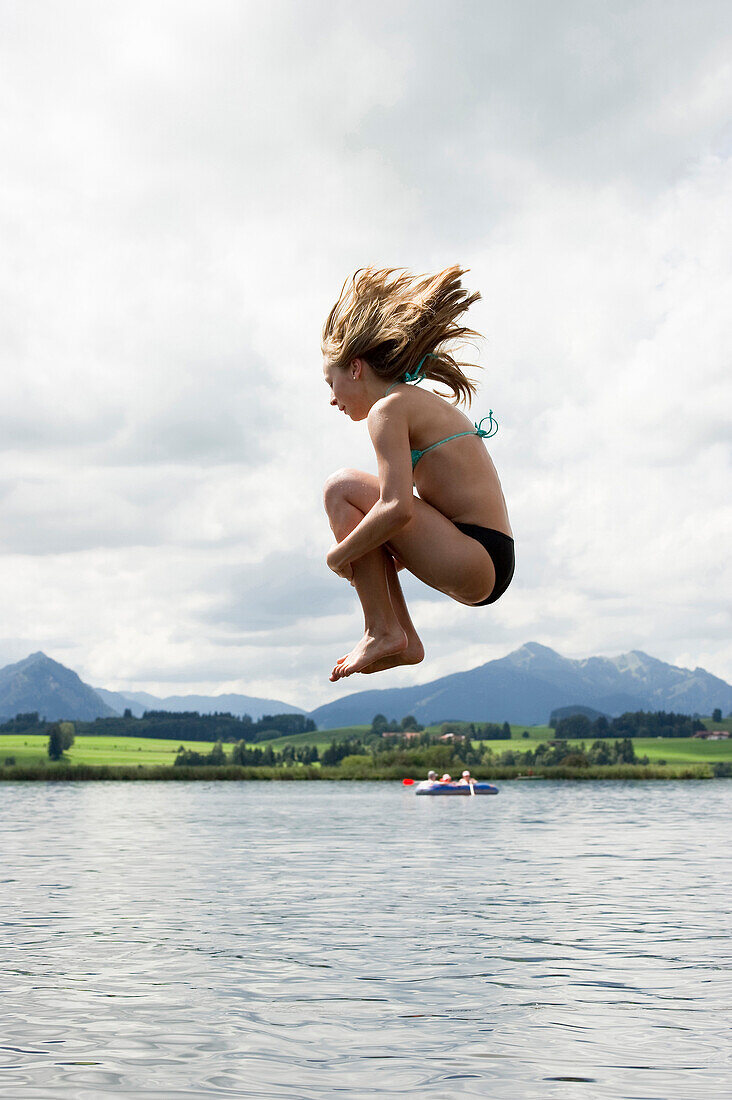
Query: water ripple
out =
(261, 940)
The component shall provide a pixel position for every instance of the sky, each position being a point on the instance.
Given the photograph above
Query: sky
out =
(187, 185)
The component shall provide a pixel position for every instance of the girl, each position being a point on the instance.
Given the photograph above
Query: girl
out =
(389, 329)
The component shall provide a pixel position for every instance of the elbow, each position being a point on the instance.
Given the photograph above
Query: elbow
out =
(401, 512)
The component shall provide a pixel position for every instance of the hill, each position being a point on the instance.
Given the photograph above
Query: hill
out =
(523, 687)
(528, 684)
(38, 683)
(140, 701)
(42, 684)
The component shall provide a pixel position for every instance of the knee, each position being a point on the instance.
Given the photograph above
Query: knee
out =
(336, 487)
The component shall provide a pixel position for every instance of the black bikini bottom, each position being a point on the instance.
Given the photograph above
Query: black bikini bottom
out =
(500, 549)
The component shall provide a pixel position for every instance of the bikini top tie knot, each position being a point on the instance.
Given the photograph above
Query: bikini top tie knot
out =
(487, 433)
(416, 375)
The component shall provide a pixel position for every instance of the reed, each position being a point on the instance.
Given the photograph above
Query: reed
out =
(61, 773)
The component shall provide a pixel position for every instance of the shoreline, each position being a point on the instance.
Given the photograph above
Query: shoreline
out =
(232, 773)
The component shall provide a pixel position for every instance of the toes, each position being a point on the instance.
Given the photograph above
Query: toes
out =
(338, 668)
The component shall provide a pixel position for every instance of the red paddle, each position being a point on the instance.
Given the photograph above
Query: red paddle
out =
(407, 782)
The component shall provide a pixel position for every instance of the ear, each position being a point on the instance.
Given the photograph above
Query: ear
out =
(356, 369)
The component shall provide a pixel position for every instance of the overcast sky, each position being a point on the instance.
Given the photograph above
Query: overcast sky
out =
(185, 187)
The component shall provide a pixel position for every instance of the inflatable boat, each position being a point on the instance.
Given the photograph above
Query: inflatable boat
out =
(455, 788)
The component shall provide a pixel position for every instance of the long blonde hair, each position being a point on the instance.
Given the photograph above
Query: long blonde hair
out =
(395, 321)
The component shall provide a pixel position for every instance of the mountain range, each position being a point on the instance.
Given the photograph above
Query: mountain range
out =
(523, 687)
(140, 701)
(527, 685)
(40, 683)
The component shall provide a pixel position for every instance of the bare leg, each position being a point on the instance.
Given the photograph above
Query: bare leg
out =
(384, 635)
(430, 546)
(414, 653)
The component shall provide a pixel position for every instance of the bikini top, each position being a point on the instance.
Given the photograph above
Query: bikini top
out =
(417, 376)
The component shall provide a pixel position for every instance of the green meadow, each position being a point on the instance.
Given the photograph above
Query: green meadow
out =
(320, 738)
(30, 750)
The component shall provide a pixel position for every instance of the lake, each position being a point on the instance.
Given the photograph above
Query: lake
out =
(171, 940)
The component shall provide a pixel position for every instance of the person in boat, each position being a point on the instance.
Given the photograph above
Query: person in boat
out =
(466, 779)
(430, 781)
(446, 779)
(389, 329)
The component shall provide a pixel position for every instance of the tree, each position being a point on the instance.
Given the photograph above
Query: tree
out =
(217, 754)
(21, 723)
(601, 752)
(575, 727)
(717, 714)
(379, 724)
(506, 730)
(625, 751)
(60, 738)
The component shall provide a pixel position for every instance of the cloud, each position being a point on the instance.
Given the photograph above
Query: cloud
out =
(283, 590)
(187, 187)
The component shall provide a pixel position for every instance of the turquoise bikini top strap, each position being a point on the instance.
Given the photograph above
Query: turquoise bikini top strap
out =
(416, 376)
(482, 433)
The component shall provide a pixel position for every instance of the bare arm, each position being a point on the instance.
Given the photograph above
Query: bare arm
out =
(387, 424)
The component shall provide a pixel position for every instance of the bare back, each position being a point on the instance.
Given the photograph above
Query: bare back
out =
(457, 478)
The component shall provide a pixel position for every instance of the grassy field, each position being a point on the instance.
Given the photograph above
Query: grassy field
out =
(320, 738)
(723, 724)
(31, 749)
(676, 750)
(682, 750)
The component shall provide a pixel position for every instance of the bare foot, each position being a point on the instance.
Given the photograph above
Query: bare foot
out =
(370, 649)
(412, 655)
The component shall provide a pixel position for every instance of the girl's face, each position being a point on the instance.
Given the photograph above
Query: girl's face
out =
(347, 389)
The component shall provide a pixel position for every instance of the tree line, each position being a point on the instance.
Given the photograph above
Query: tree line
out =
(487, 731)
(639, 723)
(352, 751)
(244, 754)
(176, 725)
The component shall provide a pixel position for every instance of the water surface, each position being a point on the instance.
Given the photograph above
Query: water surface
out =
(175, 940)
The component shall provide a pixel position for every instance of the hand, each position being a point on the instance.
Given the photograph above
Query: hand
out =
(339, 567)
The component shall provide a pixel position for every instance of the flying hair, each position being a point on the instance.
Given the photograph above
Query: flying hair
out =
(395, 321)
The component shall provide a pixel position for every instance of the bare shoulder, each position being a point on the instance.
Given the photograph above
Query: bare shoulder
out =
(388, 415)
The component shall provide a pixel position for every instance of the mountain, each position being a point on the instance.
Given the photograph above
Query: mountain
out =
(527, 685)
(119, 702)
(56, 692)
(140, 701)
(524, 688)
(39, 683)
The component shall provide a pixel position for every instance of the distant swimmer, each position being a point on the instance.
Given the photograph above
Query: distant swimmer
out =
(388, 329)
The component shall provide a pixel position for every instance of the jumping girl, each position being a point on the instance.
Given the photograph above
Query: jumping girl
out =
(389, 329)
